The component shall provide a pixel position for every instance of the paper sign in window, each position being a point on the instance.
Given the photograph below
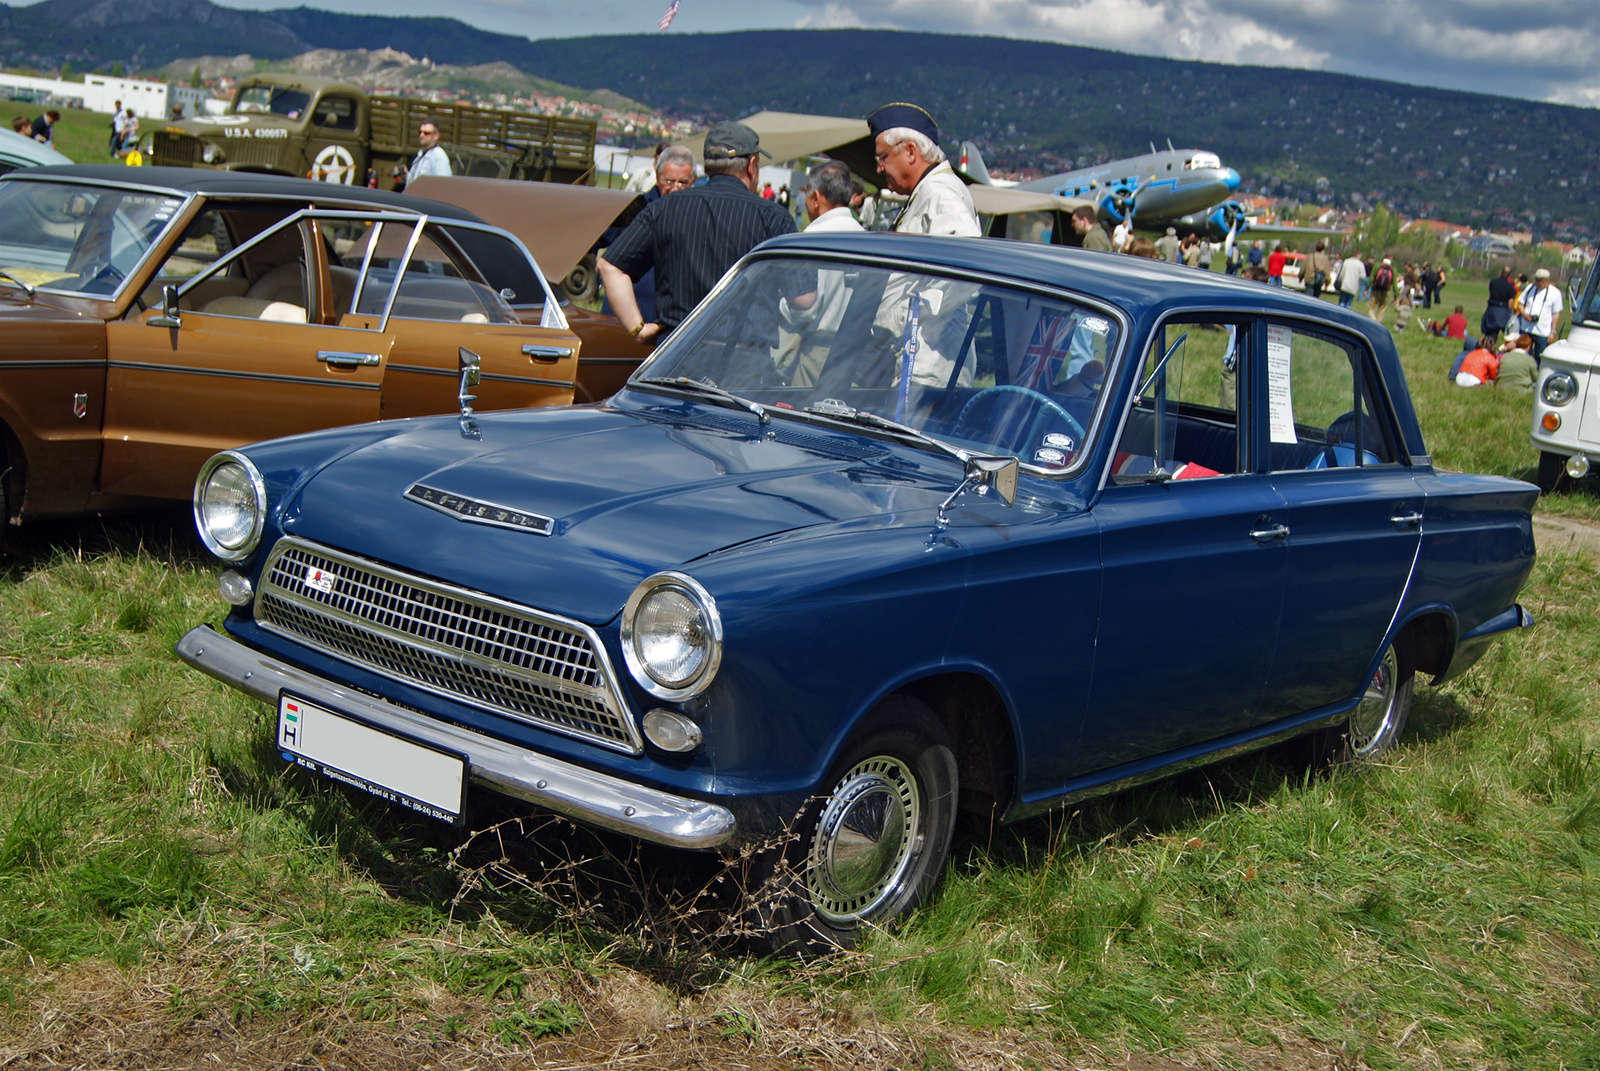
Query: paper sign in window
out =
(1280, 396)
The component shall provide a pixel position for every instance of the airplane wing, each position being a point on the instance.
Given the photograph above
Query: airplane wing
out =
(1006, 200)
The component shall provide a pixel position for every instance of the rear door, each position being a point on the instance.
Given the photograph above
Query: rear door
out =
(443, 302)
(1355, 514)
(252, 356)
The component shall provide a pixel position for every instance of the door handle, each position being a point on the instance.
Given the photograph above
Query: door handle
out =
(343, 359)
(1406, 520)
(1267, 535)
(547, 353)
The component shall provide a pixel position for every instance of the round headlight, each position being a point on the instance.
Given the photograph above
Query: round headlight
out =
(230, 505)
(672, 636)
(210, 153)
(1559, 389)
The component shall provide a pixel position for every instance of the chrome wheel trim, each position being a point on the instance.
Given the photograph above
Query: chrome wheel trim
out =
(866, 839)
(1372, 722)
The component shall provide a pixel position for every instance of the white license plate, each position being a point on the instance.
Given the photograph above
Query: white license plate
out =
(401, 771)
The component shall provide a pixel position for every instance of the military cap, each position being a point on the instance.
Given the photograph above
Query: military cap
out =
(907, 115)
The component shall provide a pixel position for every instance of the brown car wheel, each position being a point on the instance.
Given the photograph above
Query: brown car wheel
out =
(873, 847)
(582, 284)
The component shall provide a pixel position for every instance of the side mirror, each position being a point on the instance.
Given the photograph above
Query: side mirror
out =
(997, 473)
(170, 315)
(471, 373)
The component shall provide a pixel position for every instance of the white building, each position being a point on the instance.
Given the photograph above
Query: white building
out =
(100, 93)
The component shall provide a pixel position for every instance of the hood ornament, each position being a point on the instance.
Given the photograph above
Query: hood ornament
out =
(471, 373)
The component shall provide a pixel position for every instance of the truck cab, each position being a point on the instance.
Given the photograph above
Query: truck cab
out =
(280, 124)
(1566, 403)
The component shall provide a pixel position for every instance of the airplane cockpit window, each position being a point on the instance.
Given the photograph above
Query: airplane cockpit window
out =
(1203, 159)
(982, 367)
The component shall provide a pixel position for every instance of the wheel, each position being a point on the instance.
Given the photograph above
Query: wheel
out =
(874, 846)
(582, 283)
(1552, 467)
(1377, 721)
(1046, 402)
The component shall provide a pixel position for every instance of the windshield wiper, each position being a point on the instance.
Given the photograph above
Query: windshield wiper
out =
(701, 386)
(26, 289)
(834, 409)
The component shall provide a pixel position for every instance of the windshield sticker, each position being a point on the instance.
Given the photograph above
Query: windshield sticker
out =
(1048, 457)
(1097, 325)
(1280, 397)
(1060, 441)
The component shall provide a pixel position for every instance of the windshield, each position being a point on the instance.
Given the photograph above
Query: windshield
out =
(982, 367)
(83, 239)
(274, 99)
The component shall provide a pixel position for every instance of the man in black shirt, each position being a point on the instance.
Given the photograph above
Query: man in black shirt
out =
(694, 236)
(1498, 312)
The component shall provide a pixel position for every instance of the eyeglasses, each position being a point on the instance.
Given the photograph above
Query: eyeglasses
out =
(426, 132)
(880, 157)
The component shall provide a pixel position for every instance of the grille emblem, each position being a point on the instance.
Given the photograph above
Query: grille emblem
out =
(470, 509)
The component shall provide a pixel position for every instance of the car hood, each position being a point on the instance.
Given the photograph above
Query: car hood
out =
(627, 493)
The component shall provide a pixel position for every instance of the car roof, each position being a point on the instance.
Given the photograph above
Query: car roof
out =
(1139, 285)
(240, 184)
(25, 152)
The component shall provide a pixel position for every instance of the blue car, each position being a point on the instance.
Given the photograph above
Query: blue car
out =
(890, 528)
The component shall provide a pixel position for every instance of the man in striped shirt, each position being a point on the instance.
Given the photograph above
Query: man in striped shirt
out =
(693, 237)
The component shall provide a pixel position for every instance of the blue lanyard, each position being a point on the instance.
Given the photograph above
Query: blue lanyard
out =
(908, 353)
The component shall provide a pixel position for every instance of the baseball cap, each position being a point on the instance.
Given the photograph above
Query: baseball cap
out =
(728, 141)
(1542, 273)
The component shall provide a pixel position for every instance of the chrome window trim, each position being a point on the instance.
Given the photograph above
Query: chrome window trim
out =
(608, 694)
(399, 276)
(1043, 290)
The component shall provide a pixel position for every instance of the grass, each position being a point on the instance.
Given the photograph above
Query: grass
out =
(171, 894)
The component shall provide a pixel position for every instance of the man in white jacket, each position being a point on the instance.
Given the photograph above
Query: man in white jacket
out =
(906, 145)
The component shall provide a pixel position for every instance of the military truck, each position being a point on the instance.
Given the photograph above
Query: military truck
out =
(288, 124)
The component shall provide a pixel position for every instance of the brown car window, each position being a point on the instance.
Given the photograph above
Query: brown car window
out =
(264, 281)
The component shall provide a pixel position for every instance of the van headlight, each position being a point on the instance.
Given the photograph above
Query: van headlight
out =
(1559, 389)
(672, 636)
(230, 505)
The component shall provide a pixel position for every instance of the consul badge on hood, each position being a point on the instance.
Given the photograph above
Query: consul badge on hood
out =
(471, 509)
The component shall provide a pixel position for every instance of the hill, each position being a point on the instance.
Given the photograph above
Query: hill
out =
(1490, 161)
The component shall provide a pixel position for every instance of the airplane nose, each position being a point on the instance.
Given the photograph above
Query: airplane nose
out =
(1230, 179)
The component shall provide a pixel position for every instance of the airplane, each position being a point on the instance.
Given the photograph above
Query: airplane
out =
(1153, 191)
(1186, 189)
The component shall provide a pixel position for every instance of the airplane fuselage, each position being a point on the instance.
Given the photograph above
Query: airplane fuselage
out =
(1164, 186)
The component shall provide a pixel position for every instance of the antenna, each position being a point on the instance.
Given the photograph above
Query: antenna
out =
(1169, 145)
(1152, 148)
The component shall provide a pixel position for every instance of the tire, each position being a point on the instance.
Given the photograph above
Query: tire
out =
(1378, 720)
(1552, 468)
(870, 850)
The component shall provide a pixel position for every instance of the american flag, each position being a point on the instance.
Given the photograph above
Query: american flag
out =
(667, 15)
(1049, 343)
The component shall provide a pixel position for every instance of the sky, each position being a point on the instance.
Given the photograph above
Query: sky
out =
(1546, 50)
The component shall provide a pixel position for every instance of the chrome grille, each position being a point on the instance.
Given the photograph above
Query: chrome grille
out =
(534, 667)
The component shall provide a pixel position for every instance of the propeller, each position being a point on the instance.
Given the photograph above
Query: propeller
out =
(1121, 203)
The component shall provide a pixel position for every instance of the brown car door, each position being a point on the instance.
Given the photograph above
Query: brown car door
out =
(249, 358)
(441, 305)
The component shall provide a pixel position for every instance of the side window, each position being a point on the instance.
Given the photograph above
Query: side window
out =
(206, 240)
(501, 264)
(1185, 421)
(1321, 412)
(264, 279)
(436, 283)
(335, 113)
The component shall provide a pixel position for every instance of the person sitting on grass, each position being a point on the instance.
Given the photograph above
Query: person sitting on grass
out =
(1453, 326)
(1518, 370)
(1478, 366)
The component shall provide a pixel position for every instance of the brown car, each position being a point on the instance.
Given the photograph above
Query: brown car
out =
(151, 317)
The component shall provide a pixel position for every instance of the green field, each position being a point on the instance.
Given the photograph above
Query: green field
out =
(171, 895)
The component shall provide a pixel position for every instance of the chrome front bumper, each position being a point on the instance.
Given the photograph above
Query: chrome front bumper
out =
(593, 798)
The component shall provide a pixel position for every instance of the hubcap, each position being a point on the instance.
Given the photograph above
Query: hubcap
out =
(865, 840)
(1372, 721)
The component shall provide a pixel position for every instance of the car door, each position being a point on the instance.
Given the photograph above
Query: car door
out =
(244, 359)
(442, 303)
(1192, 555)
(334, 145)
(1355, 514)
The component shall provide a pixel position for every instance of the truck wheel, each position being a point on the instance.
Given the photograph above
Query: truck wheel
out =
(871, 849)
(582, 283)
(1552, 468)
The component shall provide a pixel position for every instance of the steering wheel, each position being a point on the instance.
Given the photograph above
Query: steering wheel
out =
(1045, 402)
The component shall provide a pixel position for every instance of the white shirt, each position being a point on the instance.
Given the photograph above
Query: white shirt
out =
(432, 162)
(834, 219)
(1119, 236)
(940, 205)
(641, 181)
(1351, 272)
(119, 120)
(1540, 308)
